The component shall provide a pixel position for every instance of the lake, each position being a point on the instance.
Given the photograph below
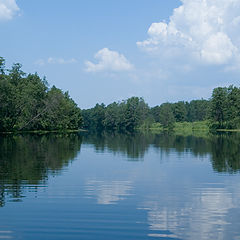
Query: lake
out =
(116, 186)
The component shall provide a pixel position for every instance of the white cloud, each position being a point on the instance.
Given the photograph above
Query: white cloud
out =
(52, 60)
(218, 49)
(8, 9)
(204, 30)
(109, 61)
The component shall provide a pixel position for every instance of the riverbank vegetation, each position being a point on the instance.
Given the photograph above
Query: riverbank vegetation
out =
(26, 103)
(220, 112)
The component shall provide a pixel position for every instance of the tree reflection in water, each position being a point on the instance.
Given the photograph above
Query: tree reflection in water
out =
(27, 160)
(224, 149)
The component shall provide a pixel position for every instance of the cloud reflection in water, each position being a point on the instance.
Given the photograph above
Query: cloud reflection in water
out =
(108, 192)
(204, 214)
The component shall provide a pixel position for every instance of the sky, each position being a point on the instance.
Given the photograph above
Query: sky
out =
(110, 50)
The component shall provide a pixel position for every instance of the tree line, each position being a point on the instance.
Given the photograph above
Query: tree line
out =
(26, 103)
(122, 116)
(221, 111)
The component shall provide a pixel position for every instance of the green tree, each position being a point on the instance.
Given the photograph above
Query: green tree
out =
(16, 74)
(180, 111)
(7, 105)
(60, 112)
(166, 116)
(135, 113)
(218, 107)
(112, 116)
(98, 116)
(197, 110)
(26, 103)
(233, 107)
(155, 111)
(30, 102)
(2, 66)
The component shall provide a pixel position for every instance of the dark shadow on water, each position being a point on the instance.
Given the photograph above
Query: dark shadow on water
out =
(29, 159)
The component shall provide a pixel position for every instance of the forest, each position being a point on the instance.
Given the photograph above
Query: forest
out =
(27, 104)
(221, 111)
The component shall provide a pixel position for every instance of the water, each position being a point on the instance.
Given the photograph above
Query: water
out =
(73, 186)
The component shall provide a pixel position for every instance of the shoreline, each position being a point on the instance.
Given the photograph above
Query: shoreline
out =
(44, 131)
(186, 129)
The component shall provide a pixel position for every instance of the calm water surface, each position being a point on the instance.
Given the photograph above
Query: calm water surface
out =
(119, 187)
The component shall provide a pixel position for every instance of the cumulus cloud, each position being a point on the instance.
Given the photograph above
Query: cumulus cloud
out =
(52, 60)
(205, 30)
(108, 61)
(8, 9)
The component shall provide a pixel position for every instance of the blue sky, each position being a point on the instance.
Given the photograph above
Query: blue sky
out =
(105, 51)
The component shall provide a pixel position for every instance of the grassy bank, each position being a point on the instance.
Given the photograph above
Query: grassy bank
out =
(188, 128)
(183, 126)
(198, 129)
(192, 128)
(202, 126)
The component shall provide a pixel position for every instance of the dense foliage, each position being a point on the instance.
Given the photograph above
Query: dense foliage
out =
(134, 112)
(26, 103)
(221, 111)
(123, 116)
(225, 108)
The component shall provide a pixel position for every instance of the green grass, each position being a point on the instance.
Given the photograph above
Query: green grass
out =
(187, 126)
(183, 128)
(192, 126)
(200, 128)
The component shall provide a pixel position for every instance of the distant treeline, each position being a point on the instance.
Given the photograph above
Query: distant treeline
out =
(222, 112)
(26, 103)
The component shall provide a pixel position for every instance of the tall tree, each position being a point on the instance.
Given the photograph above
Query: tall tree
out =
(197, 110)
(136, 111)
(233, 107)
(60, 112)
(180, 111)
(166, 116)
(112, 116)
(219, 105)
